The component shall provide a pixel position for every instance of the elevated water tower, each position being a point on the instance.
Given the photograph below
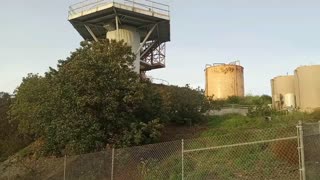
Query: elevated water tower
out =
(144, 25)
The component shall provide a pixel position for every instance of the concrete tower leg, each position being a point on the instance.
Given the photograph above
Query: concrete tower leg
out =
(130, 36)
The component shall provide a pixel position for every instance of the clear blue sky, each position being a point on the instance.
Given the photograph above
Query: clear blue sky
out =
(269, 37)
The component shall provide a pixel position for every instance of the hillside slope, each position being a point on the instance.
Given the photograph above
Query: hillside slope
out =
(27, 165)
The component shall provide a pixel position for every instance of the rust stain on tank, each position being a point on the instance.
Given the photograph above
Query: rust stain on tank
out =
(224, 80)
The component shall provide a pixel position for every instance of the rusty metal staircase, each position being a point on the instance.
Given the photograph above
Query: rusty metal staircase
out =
(152, 55)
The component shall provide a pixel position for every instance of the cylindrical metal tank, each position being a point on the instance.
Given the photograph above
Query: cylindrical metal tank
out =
(130, 36)
(307, 87)
(289, 101)
(280, 87)
(224, 80)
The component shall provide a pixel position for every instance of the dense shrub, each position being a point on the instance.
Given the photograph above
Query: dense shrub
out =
(92, 99)
(258, 105)
(184, 105)
(249, 100)
(10, 140)
(316, 114)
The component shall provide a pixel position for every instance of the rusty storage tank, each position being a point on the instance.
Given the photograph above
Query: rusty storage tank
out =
(307, 87)
(283, 96)
(224, 80)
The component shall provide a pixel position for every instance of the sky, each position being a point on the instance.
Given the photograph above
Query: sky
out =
(269, 37)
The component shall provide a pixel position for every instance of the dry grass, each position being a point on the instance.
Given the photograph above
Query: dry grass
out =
(286, 151)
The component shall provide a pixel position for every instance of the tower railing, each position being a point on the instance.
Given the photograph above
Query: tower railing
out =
(147, 5)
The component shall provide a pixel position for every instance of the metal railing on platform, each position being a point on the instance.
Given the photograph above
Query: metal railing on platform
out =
(147, 5)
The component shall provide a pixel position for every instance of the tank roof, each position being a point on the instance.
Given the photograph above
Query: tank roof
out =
(306, 66)
(283, 76)
(221, 64)
(234, 63)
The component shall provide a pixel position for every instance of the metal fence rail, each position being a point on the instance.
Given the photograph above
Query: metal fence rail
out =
(287, 153)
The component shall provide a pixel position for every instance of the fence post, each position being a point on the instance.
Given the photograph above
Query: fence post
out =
(9, 169)
(182, 159)
(303, 168)
(112, 163)
(64, 167)
(299, 151)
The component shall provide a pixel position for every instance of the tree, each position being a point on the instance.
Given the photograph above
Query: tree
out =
(28, 107)
(183, 104)
(4, 105)
(10, 140)
(94, 98)
(5, 129)
(90, 100)
(261, 106)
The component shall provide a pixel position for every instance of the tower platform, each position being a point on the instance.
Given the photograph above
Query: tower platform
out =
(97, 19)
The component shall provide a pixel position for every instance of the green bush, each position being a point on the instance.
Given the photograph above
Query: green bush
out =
(184, 105)
(316, 114)
(90, 100)
(249, 100)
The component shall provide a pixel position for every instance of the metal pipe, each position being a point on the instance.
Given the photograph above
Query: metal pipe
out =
(146, 38)
(91, 33)
(146, 50)
(144, 5)
(216, 64)
(84, 5)
(64, 167)
(240, 144)
(296, 72)
(117, 26)
(158, 3)
(237, 62)
(182, 159)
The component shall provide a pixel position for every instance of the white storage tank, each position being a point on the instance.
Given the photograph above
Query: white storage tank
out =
(282, 88)
(289, 101)
(131, 37)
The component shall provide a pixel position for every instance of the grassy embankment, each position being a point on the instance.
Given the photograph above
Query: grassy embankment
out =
(271, 160)
(266, 160)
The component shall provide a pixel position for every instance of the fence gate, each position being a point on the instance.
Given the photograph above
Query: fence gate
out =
(311, 150)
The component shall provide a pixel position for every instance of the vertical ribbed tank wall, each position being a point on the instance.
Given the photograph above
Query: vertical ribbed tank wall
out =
(307, 87)
(130, 36)
(282, 88)
(224, 80)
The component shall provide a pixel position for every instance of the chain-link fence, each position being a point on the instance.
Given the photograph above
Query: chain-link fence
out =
(260, 154)
(254, 154)
(311, 146)
(157, 161)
